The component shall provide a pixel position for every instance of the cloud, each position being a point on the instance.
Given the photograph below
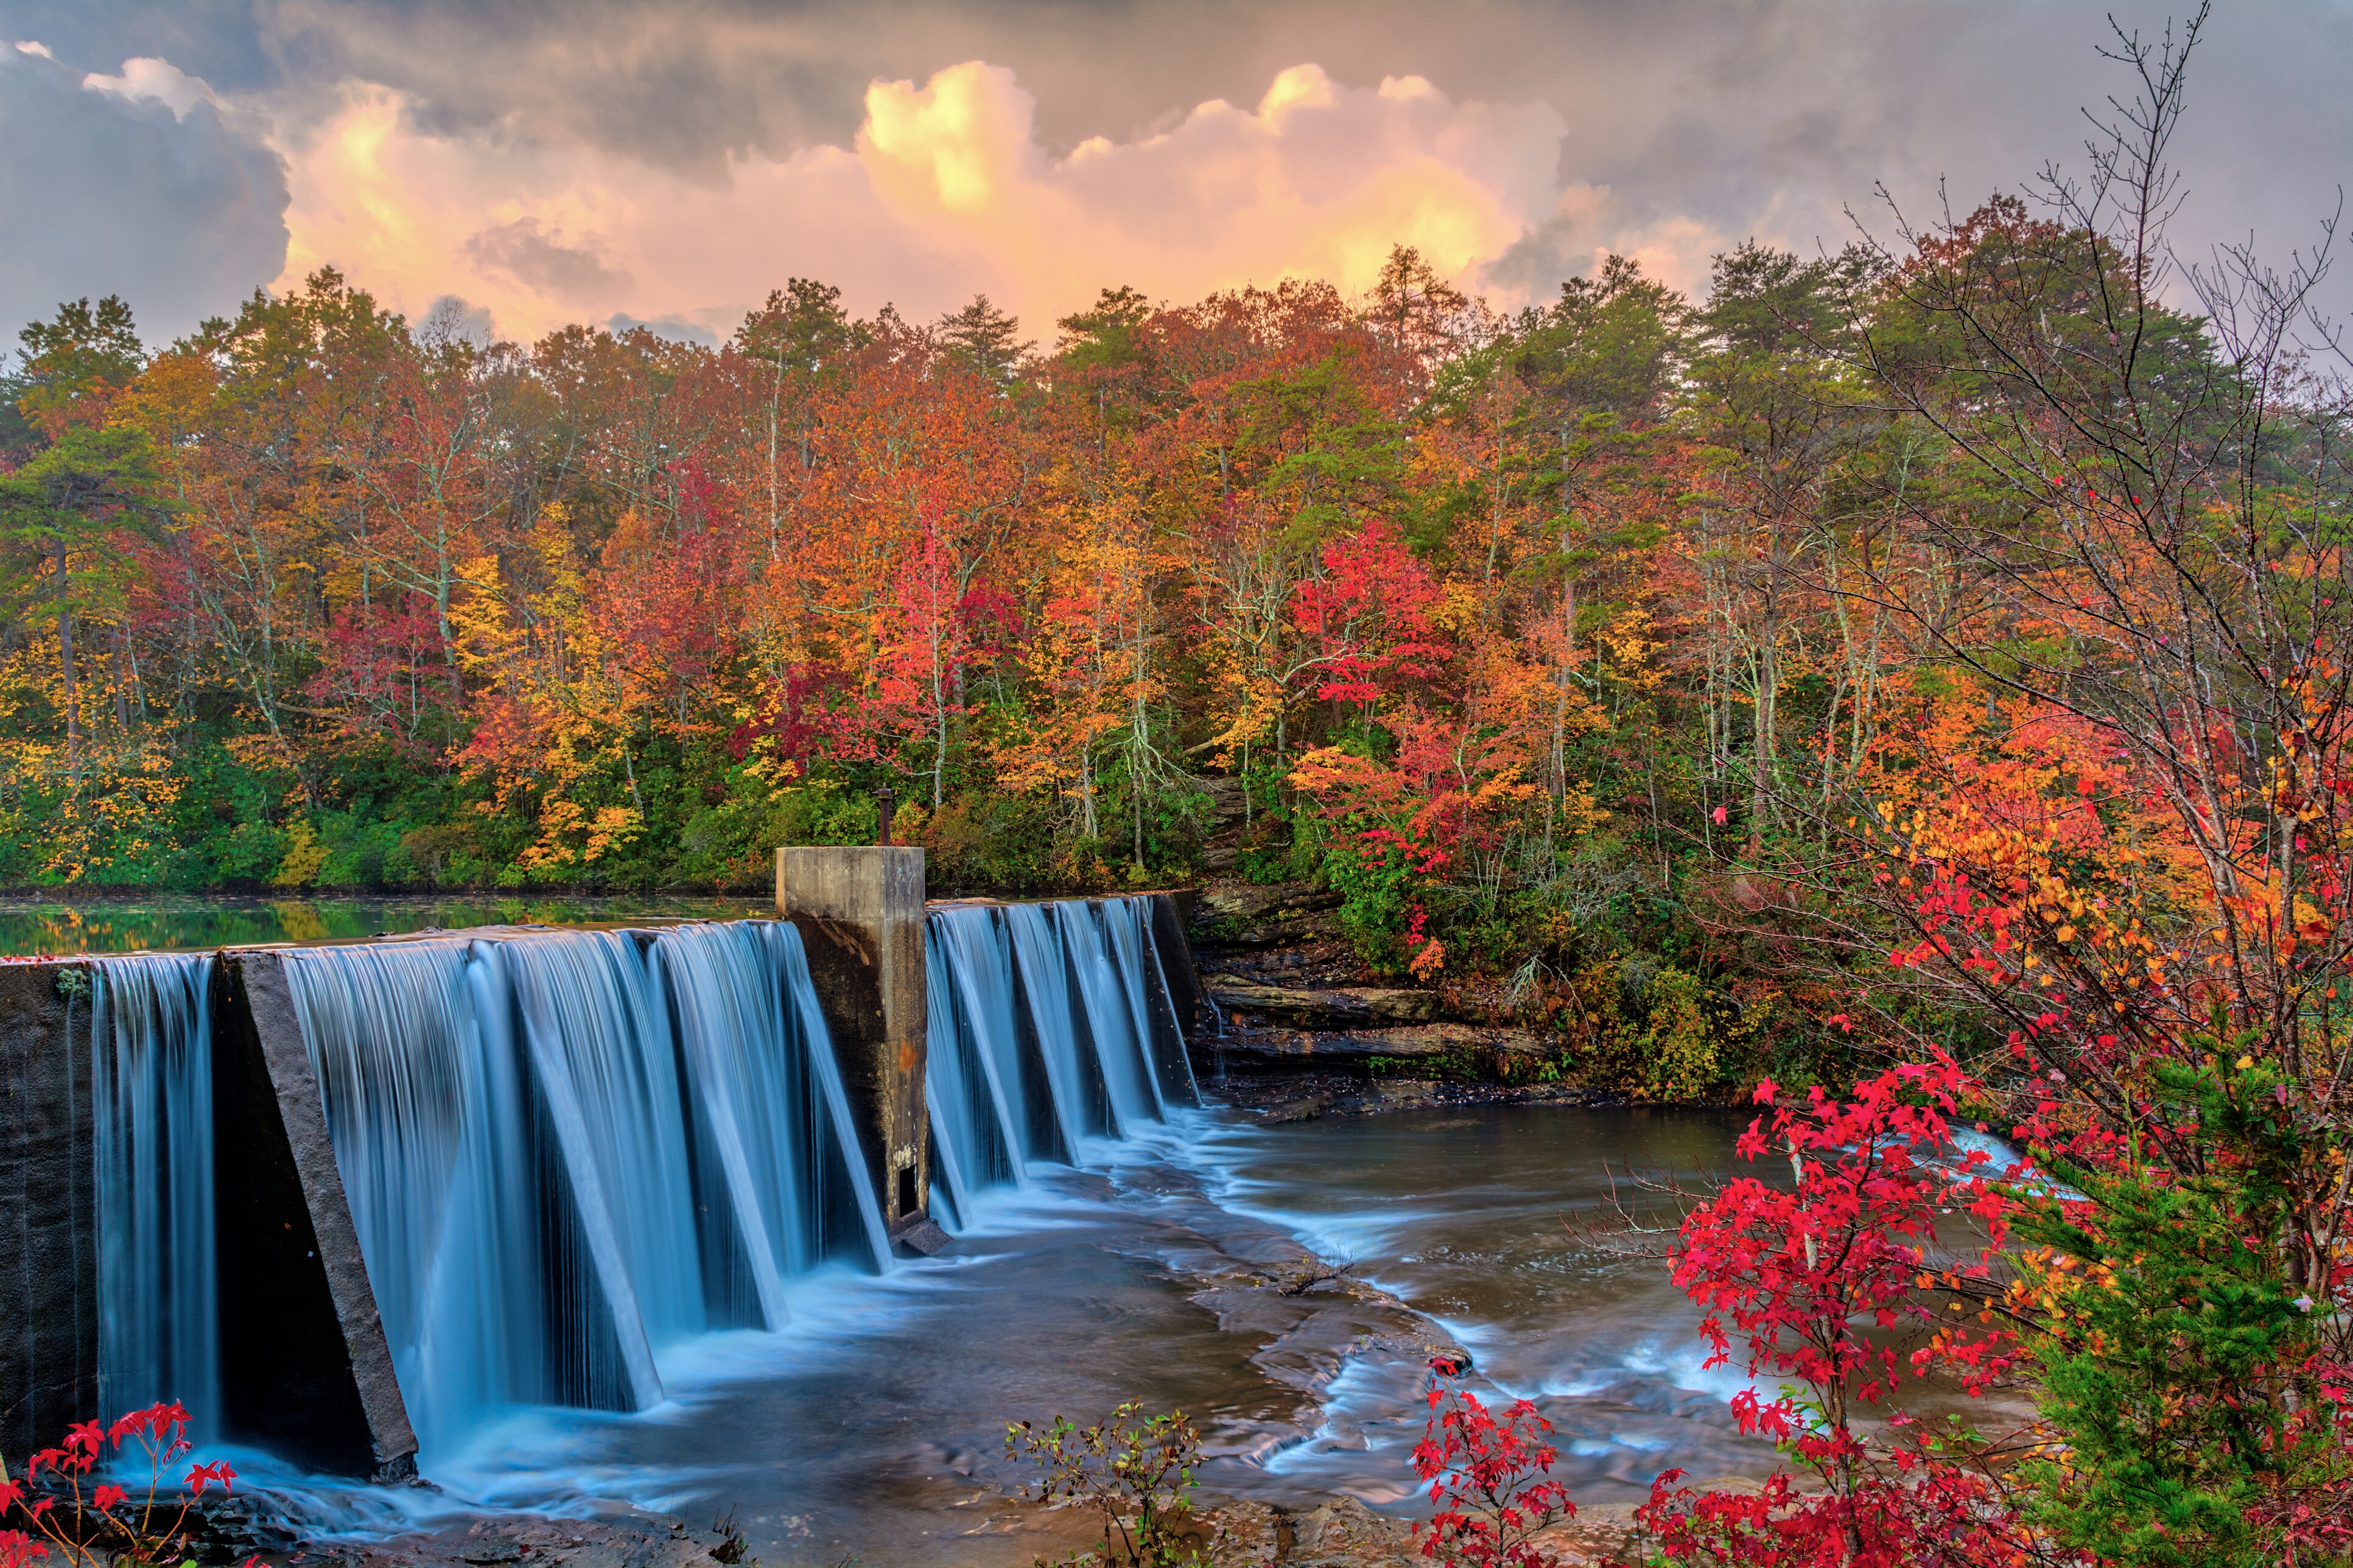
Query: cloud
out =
(134, 185)
(160, 80)
(1318, 180)
(677, 329)
(944, 191)
(544, 262)
(450, 320)
(707, 148)
(1588, 223)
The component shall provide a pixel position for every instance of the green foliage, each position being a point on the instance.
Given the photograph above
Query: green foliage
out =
(1379, 895)
(84, 350)
(2183, 1369)
(1135, 1472)
(1664, 1033)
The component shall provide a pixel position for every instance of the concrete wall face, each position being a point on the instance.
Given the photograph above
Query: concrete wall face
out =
(860, 913)
(305, 1370)
(48, 1207)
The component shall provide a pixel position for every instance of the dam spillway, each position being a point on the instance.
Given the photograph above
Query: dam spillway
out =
(566, 1151)
(151, 1102)
(1050, 1024)
(556, 1154)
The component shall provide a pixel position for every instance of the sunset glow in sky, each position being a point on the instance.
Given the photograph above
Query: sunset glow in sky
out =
(618, 163)
(944, 192)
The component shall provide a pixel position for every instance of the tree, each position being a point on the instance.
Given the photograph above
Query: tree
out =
(57, 514)
(983, 340)
(75, 363)
(799, 336)
(2114, 849)
(1777, 422)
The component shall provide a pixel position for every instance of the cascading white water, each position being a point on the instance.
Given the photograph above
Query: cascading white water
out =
(772, 1111)
(565, 1151)
(152, 1083)
(1050, 1024)
(982, 1133)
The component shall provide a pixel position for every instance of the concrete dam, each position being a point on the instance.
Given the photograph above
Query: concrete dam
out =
(344, 1201)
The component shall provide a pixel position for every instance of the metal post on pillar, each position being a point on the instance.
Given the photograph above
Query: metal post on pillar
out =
(860, 913)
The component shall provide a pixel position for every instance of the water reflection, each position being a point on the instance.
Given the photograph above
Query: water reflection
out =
(164, 923)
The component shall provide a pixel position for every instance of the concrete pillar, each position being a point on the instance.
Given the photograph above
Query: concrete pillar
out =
(48, 1208)
(860, 911)
(305, 1369)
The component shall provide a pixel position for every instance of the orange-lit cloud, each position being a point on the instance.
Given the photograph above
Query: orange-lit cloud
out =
(946, 190)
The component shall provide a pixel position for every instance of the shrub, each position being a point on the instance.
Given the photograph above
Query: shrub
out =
(1489, 1476)
(1137, 1474)
(105, 1526)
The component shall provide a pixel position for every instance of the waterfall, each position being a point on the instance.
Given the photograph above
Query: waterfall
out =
(1050, 1024)
(771, 1113)
(152, 1084)
(566, 1151)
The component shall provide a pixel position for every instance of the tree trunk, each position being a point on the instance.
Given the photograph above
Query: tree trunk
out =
(66, 671)
(1768, 680)
(776, 394)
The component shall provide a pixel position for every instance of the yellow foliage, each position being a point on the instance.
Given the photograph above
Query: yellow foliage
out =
(305, 857)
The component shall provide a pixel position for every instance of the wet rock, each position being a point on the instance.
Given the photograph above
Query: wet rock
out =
(1343, 1008)
(1246, 916)
(1315, 1086)
(1287, 1047)
(232, 1528)
(622, 1540)
(1344, 1534)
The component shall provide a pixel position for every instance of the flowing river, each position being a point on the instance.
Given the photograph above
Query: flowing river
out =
(873, 1425)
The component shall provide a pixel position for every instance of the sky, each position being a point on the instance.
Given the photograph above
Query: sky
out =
(532, 162)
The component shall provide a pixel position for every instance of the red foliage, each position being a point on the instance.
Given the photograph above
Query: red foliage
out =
(1793, 1268)
(109, 1525)
(1812, 1278)
(1487, 1474)
(1368, 616)
(1932, 1515)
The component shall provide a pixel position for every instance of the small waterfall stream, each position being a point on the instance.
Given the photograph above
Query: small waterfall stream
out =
(1050, 1024)
(152, 1082)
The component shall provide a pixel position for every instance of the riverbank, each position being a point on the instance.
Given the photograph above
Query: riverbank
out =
(1231, 1533)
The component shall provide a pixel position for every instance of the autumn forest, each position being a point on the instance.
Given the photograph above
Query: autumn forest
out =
(1913, 670)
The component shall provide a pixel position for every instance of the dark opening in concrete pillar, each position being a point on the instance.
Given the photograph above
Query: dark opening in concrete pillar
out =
(305, 1370)
(860, 913)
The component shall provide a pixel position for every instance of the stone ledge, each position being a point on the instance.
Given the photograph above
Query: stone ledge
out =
(1339, 1007)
